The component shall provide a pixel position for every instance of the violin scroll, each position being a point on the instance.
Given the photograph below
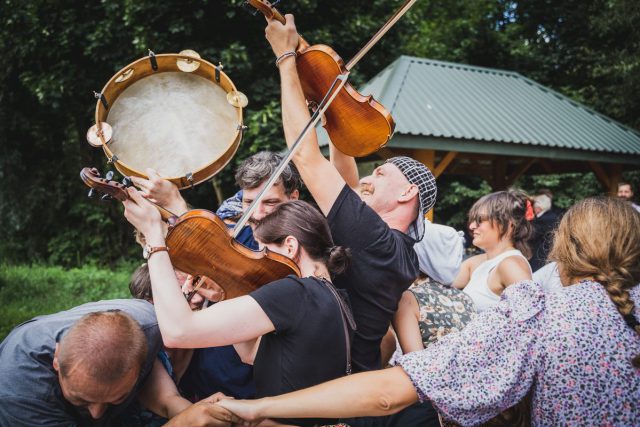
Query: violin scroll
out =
(92, 178)
(267, 9)
(357, 125)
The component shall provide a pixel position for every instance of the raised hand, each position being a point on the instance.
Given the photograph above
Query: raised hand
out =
(205, 288)
(161, 192)
(283, 38)
(144, 216)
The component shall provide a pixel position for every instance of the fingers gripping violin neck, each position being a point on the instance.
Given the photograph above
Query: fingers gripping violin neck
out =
(357, 125)
(200, 244)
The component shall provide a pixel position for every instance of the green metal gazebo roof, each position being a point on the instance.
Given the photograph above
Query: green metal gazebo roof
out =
(455, 107)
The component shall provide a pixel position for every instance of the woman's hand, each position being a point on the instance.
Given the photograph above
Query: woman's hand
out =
(208, 289)
(144, 216)
(248, 410)
(161, 192)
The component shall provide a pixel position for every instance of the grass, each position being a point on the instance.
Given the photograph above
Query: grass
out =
(27, 291)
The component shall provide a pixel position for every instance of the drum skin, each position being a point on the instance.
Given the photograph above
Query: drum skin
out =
(178, 123)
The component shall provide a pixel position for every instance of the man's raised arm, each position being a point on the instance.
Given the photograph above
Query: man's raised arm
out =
(346, 166)
(321, 178)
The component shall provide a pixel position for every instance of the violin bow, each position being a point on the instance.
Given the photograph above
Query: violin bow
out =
(380, 33)
(331, 94)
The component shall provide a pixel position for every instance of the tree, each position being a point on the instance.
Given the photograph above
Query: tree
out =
(57, 52)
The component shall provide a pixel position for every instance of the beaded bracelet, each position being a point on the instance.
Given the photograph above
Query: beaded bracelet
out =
(285, 55)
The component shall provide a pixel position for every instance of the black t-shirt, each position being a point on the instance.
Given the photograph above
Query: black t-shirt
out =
(308, 345)
(383, 266)
(30, 393)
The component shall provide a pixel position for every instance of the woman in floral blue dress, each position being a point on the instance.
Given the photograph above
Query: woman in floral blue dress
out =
(576, 350)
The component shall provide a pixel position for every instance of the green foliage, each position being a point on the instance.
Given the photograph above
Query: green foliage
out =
(567, 188)
(456, 195)
(57, 52)
(27, 291)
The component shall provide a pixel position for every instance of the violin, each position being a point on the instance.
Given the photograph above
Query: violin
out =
(357, 125)
(200, 244)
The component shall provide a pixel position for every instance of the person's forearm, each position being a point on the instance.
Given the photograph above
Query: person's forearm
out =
(172, 310)
(168, 406)
(175, 405)
(346, 165)
(295, 114)
(374, 393)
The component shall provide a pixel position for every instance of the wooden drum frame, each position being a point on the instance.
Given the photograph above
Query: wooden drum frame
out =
(185, 63)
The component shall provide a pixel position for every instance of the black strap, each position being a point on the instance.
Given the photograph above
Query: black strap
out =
(346, 316)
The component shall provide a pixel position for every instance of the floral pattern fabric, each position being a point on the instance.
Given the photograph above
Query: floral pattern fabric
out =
(572, 348)
(442, 309)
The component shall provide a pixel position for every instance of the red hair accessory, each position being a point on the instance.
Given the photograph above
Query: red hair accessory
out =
(528, 213)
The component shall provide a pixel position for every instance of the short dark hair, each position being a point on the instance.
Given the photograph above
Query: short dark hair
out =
(254, 170)
(622, 183)
(304, 222)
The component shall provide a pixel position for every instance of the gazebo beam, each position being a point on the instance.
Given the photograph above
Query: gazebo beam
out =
(520, 171)
(615, 176)
(499, 178)
(601, 175)
(444, 163)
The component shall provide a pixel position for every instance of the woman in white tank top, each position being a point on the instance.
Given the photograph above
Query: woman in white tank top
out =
(500, 225)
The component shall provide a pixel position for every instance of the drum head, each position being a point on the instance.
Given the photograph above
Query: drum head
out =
(173, 122)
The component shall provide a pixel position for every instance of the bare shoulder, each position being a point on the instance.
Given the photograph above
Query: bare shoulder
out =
(513, 269)
(466, 268)
(473, 262)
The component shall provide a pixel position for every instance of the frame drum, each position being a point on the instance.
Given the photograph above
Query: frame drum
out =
(171, 113)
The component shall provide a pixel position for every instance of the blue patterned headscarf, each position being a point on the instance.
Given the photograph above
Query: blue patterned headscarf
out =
(232, 207)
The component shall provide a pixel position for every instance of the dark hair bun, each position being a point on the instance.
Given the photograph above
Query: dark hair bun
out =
(338, 260)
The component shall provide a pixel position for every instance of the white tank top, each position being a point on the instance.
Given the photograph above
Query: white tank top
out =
(478, 286)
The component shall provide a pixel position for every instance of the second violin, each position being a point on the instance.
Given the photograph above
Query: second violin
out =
(357, 125)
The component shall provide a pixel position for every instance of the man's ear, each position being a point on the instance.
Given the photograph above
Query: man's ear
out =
(409, 192)
(295, 195)
(56, 364)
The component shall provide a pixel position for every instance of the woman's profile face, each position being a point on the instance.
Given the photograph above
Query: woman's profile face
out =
(485, 233)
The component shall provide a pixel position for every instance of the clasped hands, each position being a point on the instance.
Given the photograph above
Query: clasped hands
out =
(219, 411)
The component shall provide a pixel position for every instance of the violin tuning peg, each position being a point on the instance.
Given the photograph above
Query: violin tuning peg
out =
(109, 176)
(249, 9)
(106, 197)
(126, 181)
(92, 193)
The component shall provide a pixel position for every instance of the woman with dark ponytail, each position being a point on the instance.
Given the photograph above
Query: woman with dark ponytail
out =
(575, 352)
(501, 226)
(295, 331)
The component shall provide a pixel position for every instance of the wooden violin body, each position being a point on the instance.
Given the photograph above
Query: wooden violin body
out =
(357, 125)
(200, 244)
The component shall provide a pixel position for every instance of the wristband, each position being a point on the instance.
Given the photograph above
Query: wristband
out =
(284, 56)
